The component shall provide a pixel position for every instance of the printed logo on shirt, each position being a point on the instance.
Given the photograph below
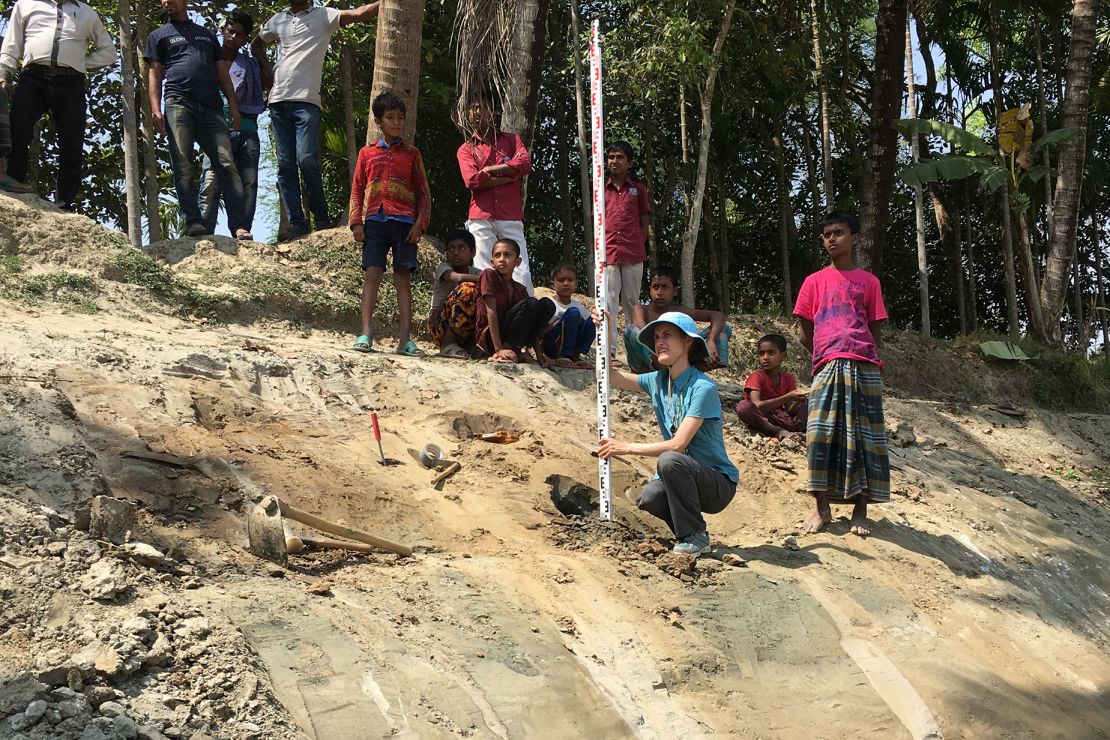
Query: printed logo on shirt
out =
(633, 191)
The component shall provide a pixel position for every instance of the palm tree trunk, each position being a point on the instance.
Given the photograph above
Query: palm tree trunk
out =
(1012, 324)
(397, 59)
(1070, 164)
(969, 249)
(1044, 129)
(345, 62)
(786, 216)
(823, 93)
(151, 185)
(562, 174)
(656, 202)
(918, 199)
(693, 224)
(882, 141)
(1103, 318)
(525, 56)
(722, 241)
(583, 142)
(130, 126)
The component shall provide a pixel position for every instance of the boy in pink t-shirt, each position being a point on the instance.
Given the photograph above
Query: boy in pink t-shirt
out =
(842, 312)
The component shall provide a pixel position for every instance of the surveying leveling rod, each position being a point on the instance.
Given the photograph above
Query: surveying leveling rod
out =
(601, 288)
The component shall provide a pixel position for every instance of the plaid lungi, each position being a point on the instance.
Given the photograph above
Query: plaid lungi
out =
(846, 436)
(456, 314)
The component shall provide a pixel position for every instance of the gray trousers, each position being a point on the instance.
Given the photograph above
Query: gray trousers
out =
(683, 491)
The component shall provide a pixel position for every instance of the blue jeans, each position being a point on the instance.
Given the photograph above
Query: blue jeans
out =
(570, 337)
(297, 141)
(189, 122)
(245, 149)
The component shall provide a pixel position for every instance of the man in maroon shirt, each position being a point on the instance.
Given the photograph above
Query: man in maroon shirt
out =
(491, 163)
(627, 209)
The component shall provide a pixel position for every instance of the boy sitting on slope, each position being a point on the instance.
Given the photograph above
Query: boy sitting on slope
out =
(773, 405)
(664, 296)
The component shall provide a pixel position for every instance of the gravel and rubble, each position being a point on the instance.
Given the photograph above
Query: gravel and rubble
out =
(113, 642)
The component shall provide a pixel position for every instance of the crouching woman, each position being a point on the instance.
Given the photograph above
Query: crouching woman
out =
(694, 475)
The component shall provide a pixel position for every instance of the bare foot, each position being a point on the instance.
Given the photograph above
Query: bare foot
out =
(782, 435)
(817, 522)
(860, 526)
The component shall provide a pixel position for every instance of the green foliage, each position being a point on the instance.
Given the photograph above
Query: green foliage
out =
(1070, 380)
(68, 289)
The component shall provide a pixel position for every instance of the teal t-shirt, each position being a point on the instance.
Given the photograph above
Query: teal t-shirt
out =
(691, 394)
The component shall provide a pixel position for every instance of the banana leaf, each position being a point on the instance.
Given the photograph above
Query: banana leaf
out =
(1003, 351)
(951, 167)
(1054, 137)
(965, 140)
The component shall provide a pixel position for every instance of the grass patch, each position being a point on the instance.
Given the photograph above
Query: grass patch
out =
(1071, 380)
(69, 289)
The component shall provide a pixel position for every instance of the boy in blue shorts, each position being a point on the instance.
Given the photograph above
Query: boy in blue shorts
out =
(390, 208)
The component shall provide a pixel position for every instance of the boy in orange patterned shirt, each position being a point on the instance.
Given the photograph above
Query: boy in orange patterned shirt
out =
(390, 208)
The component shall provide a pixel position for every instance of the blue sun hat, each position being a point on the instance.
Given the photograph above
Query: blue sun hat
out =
(684, 323)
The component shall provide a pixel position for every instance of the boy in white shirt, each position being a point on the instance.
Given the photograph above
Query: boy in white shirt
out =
(571, 332)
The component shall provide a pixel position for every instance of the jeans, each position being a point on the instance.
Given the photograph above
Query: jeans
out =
(189, 122)
(5, 127)
(64, 97)
(245, 150)
(684, 490)
(297, 141)
(570, 337)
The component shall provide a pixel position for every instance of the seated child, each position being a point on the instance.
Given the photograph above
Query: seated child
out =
(509, 320)
(664, 293)
(773, 405)
(571, 332)
(455, 299)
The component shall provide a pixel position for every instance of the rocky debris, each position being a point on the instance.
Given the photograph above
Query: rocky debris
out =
(678, 565)
(904, 434)
(104, 580)
(119, 648)
(791, 543)
(734, 560)
(111, 519)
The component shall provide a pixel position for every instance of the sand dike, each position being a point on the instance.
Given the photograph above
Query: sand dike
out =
(146, 403)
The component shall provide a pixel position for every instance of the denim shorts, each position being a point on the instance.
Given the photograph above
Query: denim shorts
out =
(381, 236)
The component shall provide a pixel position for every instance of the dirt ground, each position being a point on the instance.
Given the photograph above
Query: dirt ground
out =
(978, 608)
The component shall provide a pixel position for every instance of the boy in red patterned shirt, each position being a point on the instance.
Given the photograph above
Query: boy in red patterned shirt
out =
(390, 208)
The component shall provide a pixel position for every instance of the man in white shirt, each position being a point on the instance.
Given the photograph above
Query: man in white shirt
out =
(58, 42)
(302, 34)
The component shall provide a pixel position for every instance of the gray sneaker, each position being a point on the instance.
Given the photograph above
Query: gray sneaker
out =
(693, 544)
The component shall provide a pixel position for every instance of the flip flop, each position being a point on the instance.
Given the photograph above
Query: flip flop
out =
(363, 344)
(11, 185)
(455, 352)
(409, 349)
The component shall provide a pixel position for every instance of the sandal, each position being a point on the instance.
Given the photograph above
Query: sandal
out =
(455, 352)
(363, 344)
(11, 185)
(244, 235)
(409, 349)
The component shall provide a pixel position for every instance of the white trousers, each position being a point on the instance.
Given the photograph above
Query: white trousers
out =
(487, 232)
(624, 283)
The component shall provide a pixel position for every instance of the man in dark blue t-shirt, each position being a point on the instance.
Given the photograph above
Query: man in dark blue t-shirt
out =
(188, 58)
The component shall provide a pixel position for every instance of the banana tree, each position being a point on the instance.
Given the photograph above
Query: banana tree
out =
(1009, 166)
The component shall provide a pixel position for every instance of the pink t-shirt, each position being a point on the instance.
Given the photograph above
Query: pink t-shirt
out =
(841, 303)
